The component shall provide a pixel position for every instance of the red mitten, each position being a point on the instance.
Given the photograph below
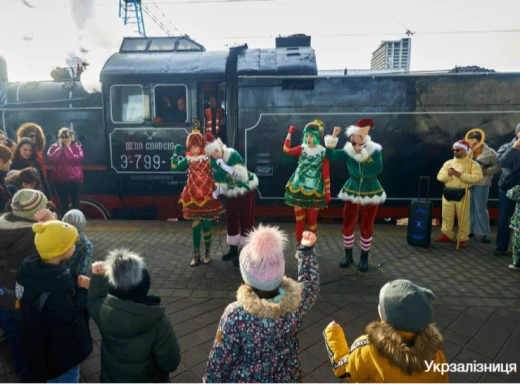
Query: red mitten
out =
(292, 129)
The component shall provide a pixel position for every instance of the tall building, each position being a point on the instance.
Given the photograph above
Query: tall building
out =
(392, 55)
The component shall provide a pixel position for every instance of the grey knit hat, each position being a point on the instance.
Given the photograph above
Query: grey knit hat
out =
(406, 306)
(517, 128)
(76, 218)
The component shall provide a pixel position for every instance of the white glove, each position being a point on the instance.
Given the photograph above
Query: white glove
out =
(226, 167)
(217, 192)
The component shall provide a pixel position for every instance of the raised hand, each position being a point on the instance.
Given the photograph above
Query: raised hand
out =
(83, 282)
(308, 239)
(337, 131)
(178, 148)
(98, 268)
(292, 129)
(44, 215)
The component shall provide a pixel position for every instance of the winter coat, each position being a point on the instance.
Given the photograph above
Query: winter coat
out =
(488, 162)
(55, 337)
(138, 340)
(257, 339)
(385, 355)
(67, 163)
(508, 159)
(462, 166)
(16, 243)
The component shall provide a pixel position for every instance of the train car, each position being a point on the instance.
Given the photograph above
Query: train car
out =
(156, 90)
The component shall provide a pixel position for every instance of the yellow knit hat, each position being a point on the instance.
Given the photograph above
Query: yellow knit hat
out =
(54, 238)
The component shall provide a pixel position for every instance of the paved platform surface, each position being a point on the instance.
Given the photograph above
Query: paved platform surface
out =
(477, 310)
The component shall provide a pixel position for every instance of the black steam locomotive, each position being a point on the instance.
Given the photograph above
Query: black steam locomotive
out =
(128, 132)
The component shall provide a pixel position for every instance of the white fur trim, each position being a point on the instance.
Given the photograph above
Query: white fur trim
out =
(253, 183)
(227, 153)
(124, 268)
(233, 240)
(243, 241)
(366, 152)
(352, 130)
(197, 158)
(365, 200)
(317, 150)
(213, 146)
(241, 172)
(460, 145)
(238, 191)
(331, 142)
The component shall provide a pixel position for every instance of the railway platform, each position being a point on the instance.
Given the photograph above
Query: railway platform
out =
(477, 309)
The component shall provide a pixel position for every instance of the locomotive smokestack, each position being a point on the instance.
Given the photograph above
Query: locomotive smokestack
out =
(3, 72)
(299, 40)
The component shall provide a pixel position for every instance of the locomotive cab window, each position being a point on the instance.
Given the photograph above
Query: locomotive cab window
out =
(170, 104)
(129, 104)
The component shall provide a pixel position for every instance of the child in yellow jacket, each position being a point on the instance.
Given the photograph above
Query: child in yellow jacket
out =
(404, 347)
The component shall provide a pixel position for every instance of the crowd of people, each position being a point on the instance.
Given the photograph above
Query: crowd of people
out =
(474, 165)
(27, 167)
(47, 297)
(48, 300)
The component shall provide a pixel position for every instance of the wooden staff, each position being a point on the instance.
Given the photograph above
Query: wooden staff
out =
(461, 219)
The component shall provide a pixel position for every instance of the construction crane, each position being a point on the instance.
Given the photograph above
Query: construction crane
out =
(131, 11)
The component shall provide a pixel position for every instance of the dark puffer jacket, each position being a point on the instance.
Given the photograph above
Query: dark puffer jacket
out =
(138, 342)
(55, 334)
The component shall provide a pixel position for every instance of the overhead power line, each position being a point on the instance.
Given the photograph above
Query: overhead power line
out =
(376, 34)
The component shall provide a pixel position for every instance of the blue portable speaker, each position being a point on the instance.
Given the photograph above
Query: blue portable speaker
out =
(420, 218)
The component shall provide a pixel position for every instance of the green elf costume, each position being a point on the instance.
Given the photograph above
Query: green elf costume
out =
(198, 203)
(308, 189)
(234, 181)
(362, 192)
(514, 194)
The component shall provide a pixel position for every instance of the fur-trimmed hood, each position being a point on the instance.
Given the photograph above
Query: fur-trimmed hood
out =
(290, 302)
(410, 357)
(366, 152)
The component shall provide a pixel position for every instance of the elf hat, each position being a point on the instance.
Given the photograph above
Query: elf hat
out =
(315, 127)
(362, 127)
(195, 138)
(54, 238)
(212, 144)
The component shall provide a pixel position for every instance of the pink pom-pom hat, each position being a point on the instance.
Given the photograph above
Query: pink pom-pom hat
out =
(262, 262)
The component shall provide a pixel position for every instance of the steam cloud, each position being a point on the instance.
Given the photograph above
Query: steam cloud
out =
(40, 34)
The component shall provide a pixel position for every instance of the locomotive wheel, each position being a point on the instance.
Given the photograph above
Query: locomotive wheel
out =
(93, 210)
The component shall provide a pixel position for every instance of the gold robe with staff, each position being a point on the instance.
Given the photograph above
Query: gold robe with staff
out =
(450, 209)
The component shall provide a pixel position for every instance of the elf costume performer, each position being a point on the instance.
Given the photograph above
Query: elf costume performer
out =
(198, 204)
(238, 184)
(308, 189)
(362, 192)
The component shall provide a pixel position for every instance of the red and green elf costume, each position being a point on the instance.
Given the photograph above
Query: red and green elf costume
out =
(308, 189)
(234, 181)
(362, 192)
(198, 204)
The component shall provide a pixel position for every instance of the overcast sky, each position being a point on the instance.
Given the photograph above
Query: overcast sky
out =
(37, 34)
